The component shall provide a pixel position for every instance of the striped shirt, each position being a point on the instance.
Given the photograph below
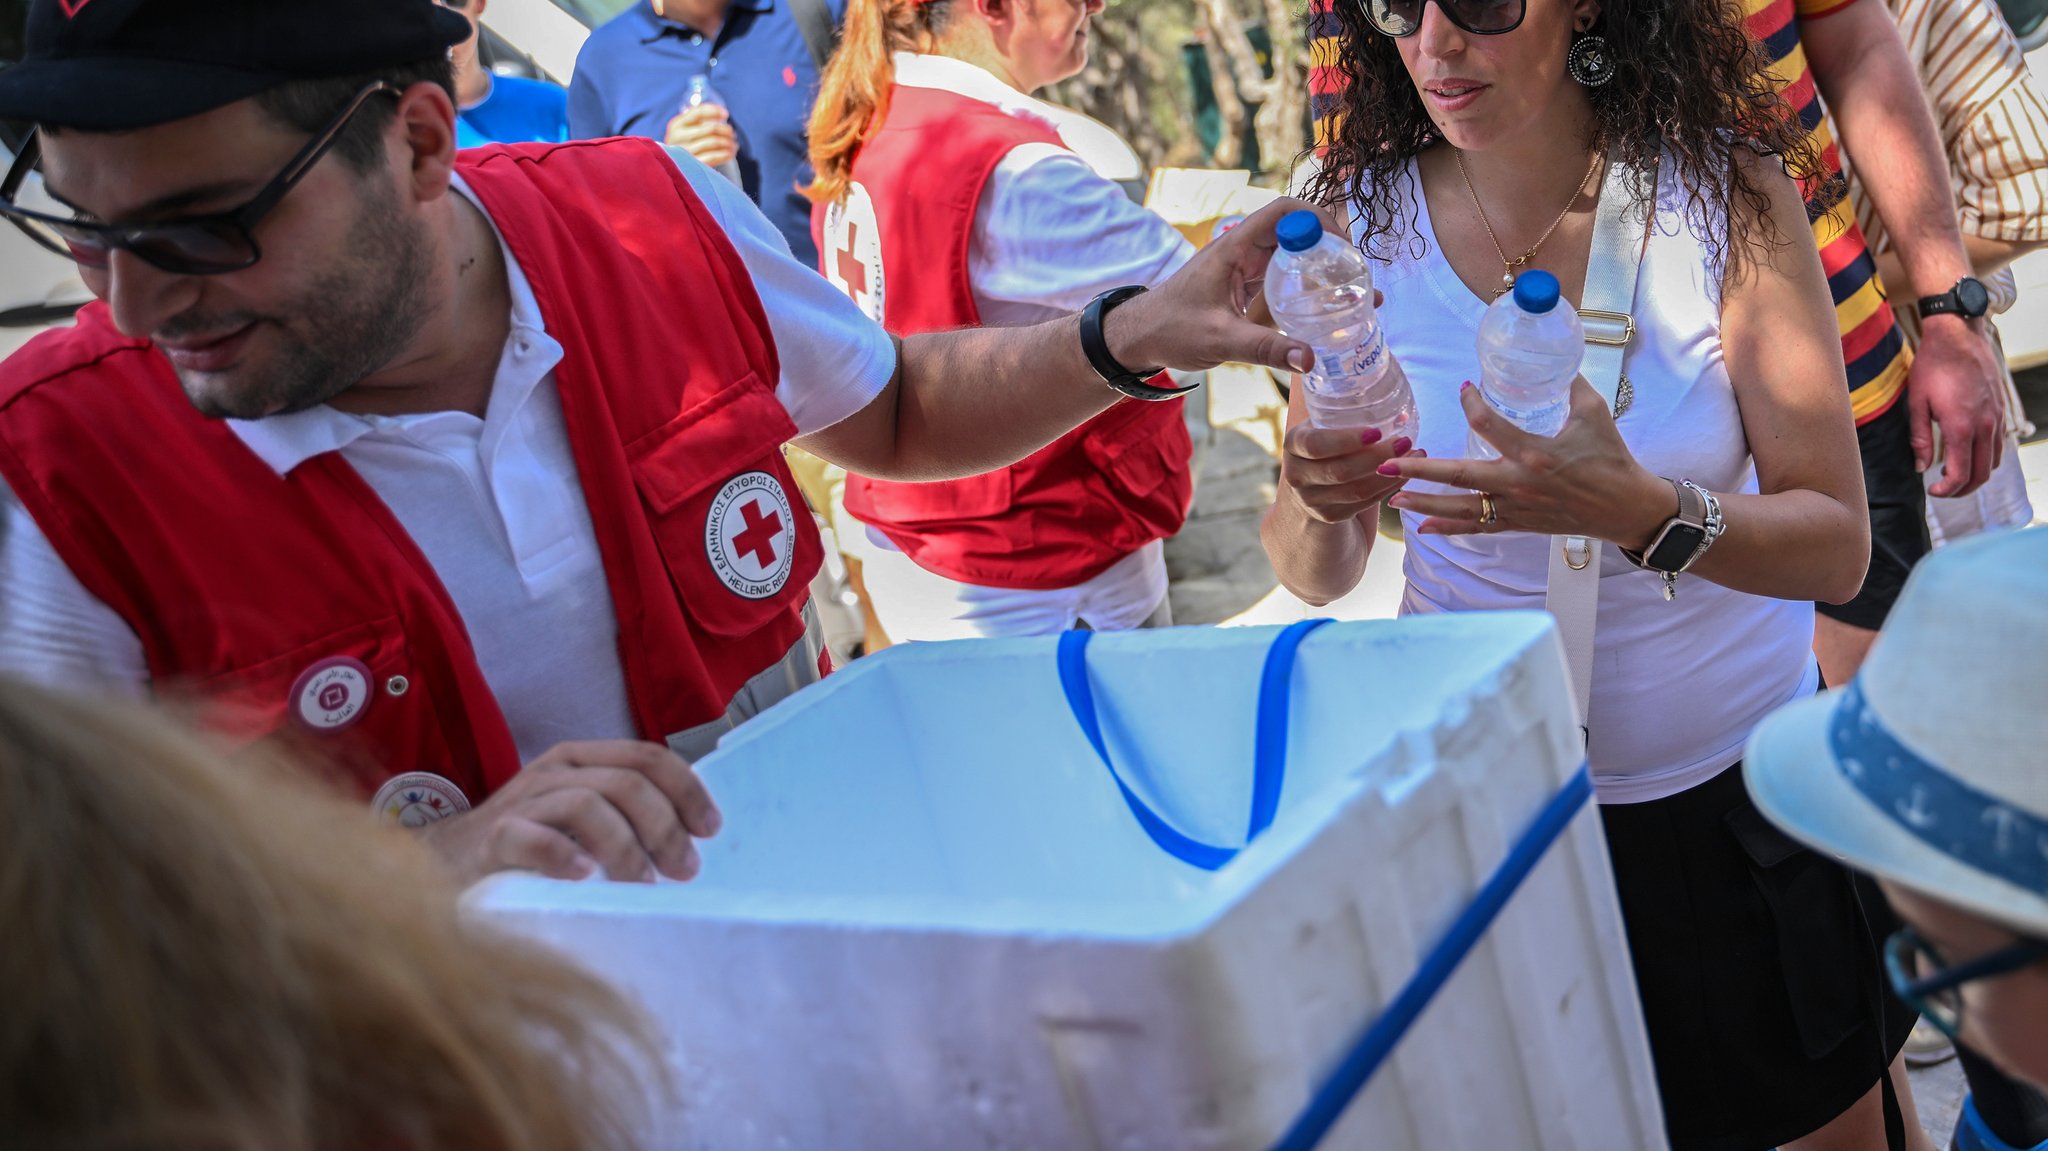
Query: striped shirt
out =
(1872, 346)
(1993, 122)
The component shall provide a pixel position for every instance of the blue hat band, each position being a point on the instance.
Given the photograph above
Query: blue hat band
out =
(1967, 825)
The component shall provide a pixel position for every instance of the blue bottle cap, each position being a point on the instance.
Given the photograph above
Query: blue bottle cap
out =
(1299, 231)
(1536, 291)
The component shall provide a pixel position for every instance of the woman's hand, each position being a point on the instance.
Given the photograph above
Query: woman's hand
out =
(1334, 473)
(1582, 481)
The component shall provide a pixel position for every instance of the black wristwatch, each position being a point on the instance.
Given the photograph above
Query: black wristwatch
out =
(1967, 299)
(1137, 384)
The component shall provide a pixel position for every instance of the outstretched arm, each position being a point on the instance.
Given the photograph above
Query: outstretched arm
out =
(966, 402)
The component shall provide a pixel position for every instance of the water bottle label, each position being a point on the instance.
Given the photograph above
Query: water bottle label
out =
(1363, 359)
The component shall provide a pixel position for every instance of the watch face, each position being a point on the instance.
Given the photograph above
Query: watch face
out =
(1972, 298)
(1674, 547)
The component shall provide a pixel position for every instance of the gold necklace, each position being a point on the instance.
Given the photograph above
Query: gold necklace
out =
(1512, 268)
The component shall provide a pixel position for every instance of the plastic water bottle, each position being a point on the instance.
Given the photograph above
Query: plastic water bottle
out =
(1530, 346)
(701, 92)
(1320, 291)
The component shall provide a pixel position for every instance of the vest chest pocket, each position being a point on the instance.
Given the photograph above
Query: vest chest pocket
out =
(970, 498)
(354, 699)
(736, 538)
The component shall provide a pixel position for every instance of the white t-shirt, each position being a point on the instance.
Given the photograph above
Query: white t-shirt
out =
(1051, 232)
(1677, 685)
(495, 504)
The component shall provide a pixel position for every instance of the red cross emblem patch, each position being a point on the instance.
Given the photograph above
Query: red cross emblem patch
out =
(853, 251)
(750, 535)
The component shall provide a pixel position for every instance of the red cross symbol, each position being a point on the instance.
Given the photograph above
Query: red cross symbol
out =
(850, 268)
(758, 540)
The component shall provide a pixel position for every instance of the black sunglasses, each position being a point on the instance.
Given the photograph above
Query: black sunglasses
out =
(1939, 996)
(1398, 18)
(195, 246)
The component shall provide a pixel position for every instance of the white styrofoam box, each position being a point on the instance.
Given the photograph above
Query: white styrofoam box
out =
(931, 921)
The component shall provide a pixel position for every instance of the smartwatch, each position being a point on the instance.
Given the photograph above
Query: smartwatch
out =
(1967, 299)
(1683, 538)
(1136, 385)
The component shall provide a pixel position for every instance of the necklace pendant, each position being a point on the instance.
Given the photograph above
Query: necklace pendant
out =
(1507, 279)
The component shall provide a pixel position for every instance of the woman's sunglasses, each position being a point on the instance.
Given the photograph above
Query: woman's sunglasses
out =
(1398, 18)
(1925, 982)
(194, 246)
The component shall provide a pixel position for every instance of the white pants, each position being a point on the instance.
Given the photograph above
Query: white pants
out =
(914, 604)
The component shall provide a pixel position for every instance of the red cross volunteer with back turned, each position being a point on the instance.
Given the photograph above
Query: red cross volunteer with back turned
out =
(465, 473)
(948, 196)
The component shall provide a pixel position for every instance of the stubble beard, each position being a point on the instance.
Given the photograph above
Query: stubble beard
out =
(350, 321)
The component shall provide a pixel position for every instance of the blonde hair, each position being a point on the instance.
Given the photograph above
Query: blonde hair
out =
(222, 956)
(853, 95)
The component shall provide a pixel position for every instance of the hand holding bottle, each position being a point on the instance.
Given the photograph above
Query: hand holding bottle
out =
(703, 128)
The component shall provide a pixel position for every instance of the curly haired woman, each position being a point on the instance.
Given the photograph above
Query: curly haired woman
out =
(1472, 145)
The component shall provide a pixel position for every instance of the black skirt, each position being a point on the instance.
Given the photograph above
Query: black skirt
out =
(1759, 963)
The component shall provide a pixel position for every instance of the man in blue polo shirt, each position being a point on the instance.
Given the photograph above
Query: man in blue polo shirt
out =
(633, 73)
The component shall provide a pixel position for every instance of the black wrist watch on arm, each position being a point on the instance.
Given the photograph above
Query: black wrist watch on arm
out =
(1967, 299)
(1136, 384)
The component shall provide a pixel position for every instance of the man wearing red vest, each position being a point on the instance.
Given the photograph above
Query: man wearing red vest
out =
(465, 473)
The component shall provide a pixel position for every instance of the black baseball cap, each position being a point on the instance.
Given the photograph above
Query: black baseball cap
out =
(109, 65)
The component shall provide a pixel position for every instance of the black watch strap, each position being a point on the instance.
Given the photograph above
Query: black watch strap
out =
(1123, 379)
(1968, 299)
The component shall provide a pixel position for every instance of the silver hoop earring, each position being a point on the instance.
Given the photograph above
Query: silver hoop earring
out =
(1590, 63)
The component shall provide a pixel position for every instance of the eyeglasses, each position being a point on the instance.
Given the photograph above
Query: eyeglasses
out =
(1939, 996)
(196, 246)
(1398, 18)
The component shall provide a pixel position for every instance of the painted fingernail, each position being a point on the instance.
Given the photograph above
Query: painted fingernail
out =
(1369, 436)
(1466, 386)
(1399, 501)
(1418, 454)
(1402, 445)
(1298, 359)
(1390, 468)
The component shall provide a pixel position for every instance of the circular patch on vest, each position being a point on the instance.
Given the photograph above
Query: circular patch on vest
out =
(853, 251)
(419, 798)
(331, 694)
(750, 535)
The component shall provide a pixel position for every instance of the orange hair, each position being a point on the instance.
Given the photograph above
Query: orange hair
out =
(853, 95)
(206, 956)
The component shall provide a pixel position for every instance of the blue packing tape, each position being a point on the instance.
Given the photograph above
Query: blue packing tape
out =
(1269, 742)
(1372, 1049)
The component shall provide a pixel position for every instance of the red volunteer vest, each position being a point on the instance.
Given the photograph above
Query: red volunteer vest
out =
(899, 246)
(298, 602)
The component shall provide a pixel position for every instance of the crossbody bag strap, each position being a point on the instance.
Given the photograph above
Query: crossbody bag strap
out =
(820, 32)
(1606, 309)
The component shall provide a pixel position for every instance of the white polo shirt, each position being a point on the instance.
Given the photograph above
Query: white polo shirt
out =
(495, 503)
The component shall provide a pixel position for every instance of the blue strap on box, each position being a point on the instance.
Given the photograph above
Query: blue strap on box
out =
(1371, 1050)
(1269, 743)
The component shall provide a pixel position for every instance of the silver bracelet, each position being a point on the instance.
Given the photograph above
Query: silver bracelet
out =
(1714, 523)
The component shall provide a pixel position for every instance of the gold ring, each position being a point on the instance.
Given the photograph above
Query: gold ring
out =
(1487, 512)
